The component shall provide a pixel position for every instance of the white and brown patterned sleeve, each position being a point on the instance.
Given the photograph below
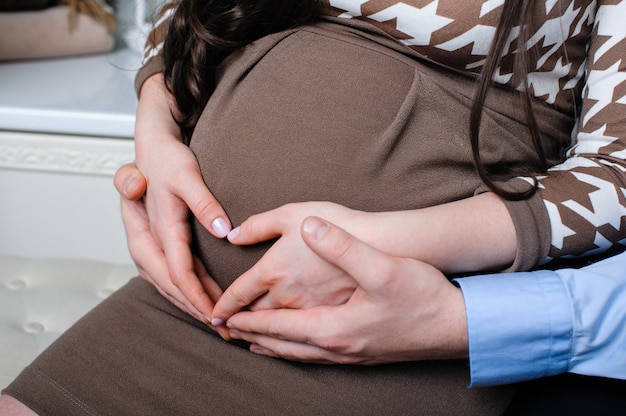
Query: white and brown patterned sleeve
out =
(152, 62)
(585, 196)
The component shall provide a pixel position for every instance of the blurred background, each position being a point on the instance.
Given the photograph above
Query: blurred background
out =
(67, 112)
(67, 104)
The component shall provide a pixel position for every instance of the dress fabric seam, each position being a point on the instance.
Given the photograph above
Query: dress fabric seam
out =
(67, 394)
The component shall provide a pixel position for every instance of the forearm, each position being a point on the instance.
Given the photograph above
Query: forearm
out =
(473, 234)
(155, 115)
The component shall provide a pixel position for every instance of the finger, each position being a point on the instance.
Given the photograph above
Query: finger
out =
(296, 325)
(168, 294)
(129, 182)
(174, 239)
(214, 291)
(289, 350)
(180, 264)
(241, 293)
(258, 228)
(203, 204)
(364, 263)
(149, 258)
(158, 276)
(210, 285)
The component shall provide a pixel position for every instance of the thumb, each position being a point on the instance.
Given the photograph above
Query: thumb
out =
(336, 246)
(129, 182)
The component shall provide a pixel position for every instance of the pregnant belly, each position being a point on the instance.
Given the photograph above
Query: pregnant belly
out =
(316, 114)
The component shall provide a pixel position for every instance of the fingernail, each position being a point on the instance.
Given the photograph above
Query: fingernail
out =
(129, 185)
(315, 227)
(257, 350)
(217, 322)
(220, 226)
(235, 335)
(234, 234)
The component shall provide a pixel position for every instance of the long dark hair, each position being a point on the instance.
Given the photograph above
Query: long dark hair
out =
(515, 13)
(202, 33)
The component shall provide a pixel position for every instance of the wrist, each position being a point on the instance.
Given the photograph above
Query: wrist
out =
(468, 235)
(456, 339)
(442, 332)
(155, 115)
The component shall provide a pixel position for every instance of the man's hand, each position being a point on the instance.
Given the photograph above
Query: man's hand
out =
(402, 310)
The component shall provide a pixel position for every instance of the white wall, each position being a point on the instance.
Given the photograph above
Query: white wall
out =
(57, 198)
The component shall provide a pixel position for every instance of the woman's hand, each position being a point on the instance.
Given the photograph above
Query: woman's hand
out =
(402, 310)
(468, 235)
(170, 178)
(289, 275)
(152, 267)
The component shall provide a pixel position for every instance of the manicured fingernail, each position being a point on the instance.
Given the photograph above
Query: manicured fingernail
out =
(129, 185)
(217, 322)
(315, 227)
(257, 350)
(234, 234)
(235, 334)
(220, 227)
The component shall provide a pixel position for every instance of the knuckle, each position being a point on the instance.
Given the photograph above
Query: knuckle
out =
(387, 271)
(137, 255)
(205, 207)
(334, 343)
(268, 278)
(274, 331)
(345, 360)
(292, 211)
(254, 226)
(251, 224)
(177, 279)
(239, 298)
(343, 247)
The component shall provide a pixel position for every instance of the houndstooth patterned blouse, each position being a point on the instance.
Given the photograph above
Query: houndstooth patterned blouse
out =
(579, 56)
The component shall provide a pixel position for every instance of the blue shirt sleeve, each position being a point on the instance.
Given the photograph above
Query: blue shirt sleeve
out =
(529, 325)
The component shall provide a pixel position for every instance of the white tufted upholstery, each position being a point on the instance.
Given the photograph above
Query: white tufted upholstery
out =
(39, 299)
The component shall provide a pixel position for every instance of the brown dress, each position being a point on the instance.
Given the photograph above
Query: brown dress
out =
(291, 121)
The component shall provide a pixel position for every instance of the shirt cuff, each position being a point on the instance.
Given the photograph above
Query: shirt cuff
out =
(520, 326)
(598, 293)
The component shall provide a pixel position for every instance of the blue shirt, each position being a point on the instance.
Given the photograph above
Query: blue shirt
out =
(533, 324)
